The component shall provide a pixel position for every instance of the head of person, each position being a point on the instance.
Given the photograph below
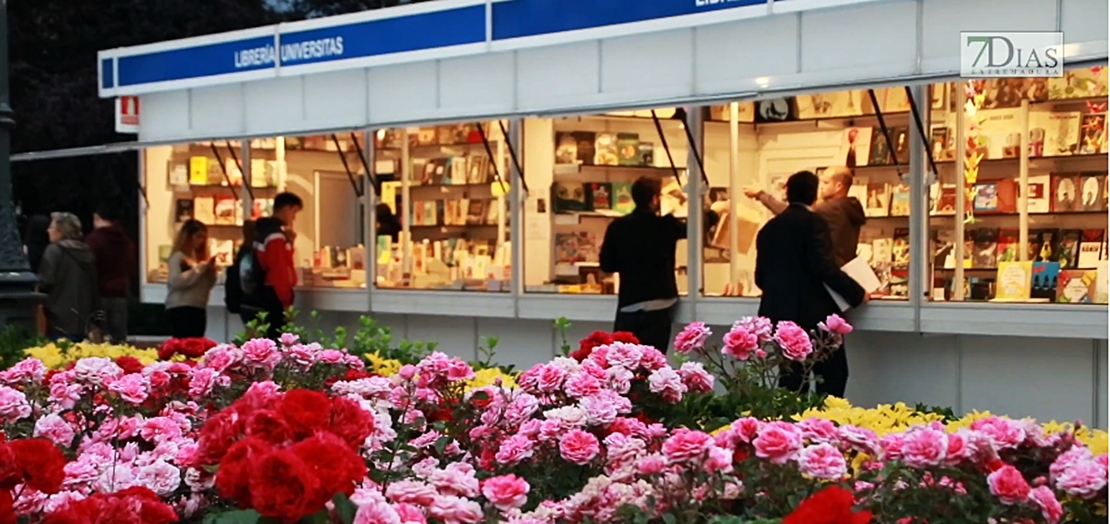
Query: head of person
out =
(192, 239)
(835, 183)
(383, 212)
(801, 188)
(646, 193)
(286, 207)
(107, 214)
(37, 228)
(64, 226)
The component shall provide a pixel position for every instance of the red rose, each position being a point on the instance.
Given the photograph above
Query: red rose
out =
(337, 466)
(269, 426)
(41, 464)
(350, 422)
(626, 337)
(7, 513)
(831, 505)
(168, 349)
(587, 345)
(130, 364)
(305, 411)
(137, 505)
(234, 476)
(10, 475)
(217, 435)
(284, 488)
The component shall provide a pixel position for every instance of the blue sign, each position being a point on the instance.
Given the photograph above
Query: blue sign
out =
(248, 54)
(540, 17)
(385, 36)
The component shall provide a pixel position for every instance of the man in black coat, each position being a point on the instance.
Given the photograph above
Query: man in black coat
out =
(794, 263)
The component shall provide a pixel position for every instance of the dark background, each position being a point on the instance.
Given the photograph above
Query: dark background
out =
(53, 45)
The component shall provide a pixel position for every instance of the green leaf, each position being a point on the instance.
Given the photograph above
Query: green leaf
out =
(244, 516)
(669, 518)
(344, 508)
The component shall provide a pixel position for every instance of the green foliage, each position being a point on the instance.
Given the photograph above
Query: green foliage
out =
(369, 338)
(13, 340)
(562, 325)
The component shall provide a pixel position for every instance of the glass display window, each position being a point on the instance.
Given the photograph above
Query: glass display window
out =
(442, 221)
(201, 181)
(581, 170)
(1031, 224)
(857, 141)
(327, 172)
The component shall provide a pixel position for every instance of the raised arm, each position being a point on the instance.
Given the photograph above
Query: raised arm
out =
(183, 278)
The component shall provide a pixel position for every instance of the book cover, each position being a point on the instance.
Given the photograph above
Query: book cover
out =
(1043, 245)
(1062, 134)
(569, 196)
(621, 197)
(881, 251)
(566, 248)
(198, 170)
(1076, 286)
(1086, 82)
(900, 248)
(880, 154)
(600, 196)
(776, 110)
(900, 138)
(1009, 241)
(647, 154)
(477, 169)
(1014, 281)
(1040, 188)
(179, 175)
(1093, 133)
(566, 148)
(1068, 250)
(204, 210)
(225, 210)
(234, 174)
(586, 146)
(855, 148)
(1044, 282)
(1090, 192)
(183, 210)
(986, 197)
(941, 142)
(628, 149)
(900, 201)
(1065, 193)
(605, 150)
(476, 212)
(1007, 192)
(457, 172)
(878, 200)
(1090, 248)
(985, 242)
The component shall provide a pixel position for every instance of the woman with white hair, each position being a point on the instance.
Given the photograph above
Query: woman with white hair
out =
(67, 274)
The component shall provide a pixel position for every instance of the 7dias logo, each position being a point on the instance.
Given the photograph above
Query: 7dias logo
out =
(1032, 54)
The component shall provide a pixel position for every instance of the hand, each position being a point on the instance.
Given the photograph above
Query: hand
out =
(752, 192)
(210, 266)
(290, 236)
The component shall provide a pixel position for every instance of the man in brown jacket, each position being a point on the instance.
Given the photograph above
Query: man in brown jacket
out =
(844, 214)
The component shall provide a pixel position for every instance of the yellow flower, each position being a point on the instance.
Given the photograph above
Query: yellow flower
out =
(385, 367)
(488, 377)
(55, 357)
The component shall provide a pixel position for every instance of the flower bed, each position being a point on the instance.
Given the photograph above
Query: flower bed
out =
(296, 432)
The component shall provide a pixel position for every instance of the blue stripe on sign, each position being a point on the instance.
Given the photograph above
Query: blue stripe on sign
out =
(249, 54)
(523, 18)
(107, 75)
(437, 29)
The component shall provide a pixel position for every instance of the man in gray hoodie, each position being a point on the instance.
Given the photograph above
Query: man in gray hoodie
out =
(844, 214)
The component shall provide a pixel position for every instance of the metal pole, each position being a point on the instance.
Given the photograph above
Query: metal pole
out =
(961, 191)
(17, 282)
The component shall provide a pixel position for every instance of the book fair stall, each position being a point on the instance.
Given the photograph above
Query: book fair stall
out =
(460, 187)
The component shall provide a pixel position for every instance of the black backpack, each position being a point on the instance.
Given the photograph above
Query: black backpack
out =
(233, 289)
(243, 279)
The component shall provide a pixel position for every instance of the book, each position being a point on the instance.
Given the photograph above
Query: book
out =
(1044, 280)
(986, 197)
(605, 150)
(179, 175)
(860, 271)
(1068, 248)
(621, 197)
(1008, 245)
(1076, 286)
(225, 210)
(880, 151)
(1007, 191)
(568, 196)
(878, 200)
(1043, 245)
(900, 201)
(183, 210)
(1040, 187)
(204, 210)
(900, 247)
(1065, 193)
(1014, 281)
(985, 242)
(628, 149)
(1090, 248)
(198, 170)
(1090, 192)
(600, 196)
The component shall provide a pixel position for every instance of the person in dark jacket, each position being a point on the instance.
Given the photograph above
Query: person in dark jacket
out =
(387, 223)
(794, 264)
(115, 262)
(640, 247)
(273, 247)
(844, 214)
(67, 275)
(36, 239)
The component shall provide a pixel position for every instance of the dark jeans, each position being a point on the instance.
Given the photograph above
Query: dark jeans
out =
(115, 310)
(653, 328)
(832, 373)
(187, 321)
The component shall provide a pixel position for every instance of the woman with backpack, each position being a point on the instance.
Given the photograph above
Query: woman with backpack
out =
(192, 276)
(67, 274)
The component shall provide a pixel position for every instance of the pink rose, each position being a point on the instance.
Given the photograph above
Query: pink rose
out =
(758, 326)
(695, 377)
(718, 460)
(550, 378)
(96, 370)
(891, 446)
(599, 410)
(458, 370)
(27, 369)
(407, 371)
(692, 338)
(506, 492)
(261, 352)
(1003, 433)
(740, 342)
(13, 405)
(514, 449)
(924, 448)
(1084, 478)
(861, 439)
(819, 430)
(410, 514)
(222, 357)
(131, 388)
(288, 339)
(667, 384)
(778, 441)
(747, 428)
(578, 446)
(1046, 500)
(627, 356)
(1008, 485)
(56, 429)
(822, 461)
(376, 512)
(651, 464)
(580, 385)
(836, 325)
(793, 340)
(455, 510)
(685, 444)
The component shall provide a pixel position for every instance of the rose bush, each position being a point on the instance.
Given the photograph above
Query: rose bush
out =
(293, 431)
